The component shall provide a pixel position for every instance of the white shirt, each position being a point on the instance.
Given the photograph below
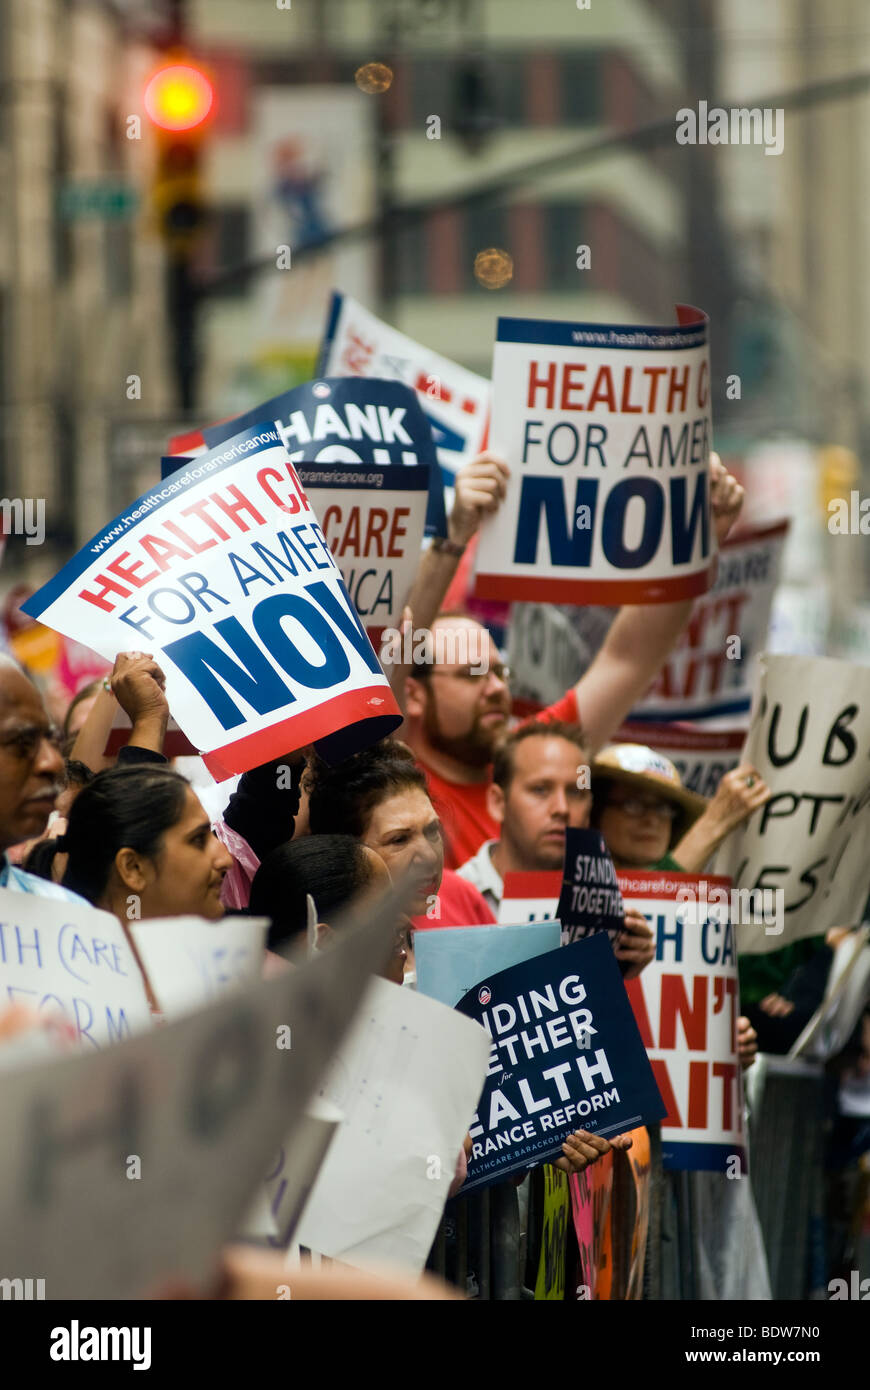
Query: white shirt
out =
(482, 873)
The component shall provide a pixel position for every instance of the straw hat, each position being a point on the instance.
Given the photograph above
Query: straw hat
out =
(635, 765)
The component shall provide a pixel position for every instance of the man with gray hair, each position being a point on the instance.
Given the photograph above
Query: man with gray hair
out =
(31, 770)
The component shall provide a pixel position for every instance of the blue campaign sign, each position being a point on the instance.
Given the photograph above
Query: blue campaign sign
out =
(566, 1054)
(450, 960)
(590, 900)
(347, 420)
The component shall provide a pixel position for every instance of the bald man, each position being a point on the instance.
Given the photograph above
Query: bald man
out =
(31, 771)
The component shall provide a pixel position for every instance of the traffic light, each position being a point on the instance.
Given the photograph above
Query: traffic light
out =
(179, 99)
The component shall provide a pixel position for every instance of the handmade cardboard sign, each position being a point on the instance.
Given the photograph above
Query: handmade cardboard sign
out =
(191, 962)
(225, 576)
(606, 430)
(565, 1055)
(73, 961)
(146, 1156)
(686, 1003)
(406, 1079)
(805, 849)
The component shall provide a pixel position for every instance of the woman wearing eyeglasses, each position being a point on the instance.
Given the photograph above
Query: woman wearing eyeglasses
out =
(640, 806)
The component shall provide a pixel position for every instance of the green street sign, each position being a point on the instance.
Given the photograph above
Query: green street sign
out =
(106, 200)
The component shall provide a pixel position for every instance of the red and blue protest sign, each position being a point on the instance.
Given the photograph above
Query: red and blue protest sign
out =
(223, 573)
(566, 1054)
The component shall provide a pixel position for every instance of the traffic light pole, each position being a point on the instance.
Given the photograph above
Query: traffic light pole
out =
(181, 303)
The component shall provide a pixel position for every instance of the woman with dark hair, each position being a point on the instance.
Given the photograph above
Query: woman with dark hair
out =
(333, 870)
(139, 834)
(380, 797)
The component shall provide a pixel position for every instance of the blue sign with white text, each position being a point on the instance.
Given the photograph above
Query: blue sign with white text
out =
(566, 1054)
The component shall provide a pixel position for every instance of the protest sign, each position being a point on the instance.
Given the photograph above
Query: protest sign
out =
(710, 670)
(550, 1281)
(72, 960)
(373, 521)
(709, 673)
(591, 1192)
(686, 1003)
(451, 960)
(531, 896)
(224, 574)
(341, 421)
(406, 1079)
(589, 901)
(145, 1156)
(190, 962)
(700, 754)
(455, 401)
(574, 999)
(286, 1196)
(809, 738)
(616, 510)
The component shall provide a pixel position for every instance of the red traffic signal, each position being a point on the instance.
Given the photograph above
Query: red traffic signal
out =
(179, 97)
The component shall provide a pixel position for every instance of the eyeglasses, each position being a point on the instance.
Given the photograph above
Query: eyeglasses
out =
(636, 807)
(25, 743)
(465, 673)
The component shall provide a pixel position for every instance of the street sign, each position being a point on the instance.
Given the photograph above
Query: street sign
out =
(103, 199)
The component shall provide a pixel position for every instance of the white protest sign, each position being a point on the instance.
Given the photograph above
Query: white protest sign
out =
(606, 430)
(129, 1168)
(373, 522)
(686, 1004)
(224, 574)
(710, 671)
(809, 738)
(191, 962)
(407, 1078)
(455, 400)
(71, 960)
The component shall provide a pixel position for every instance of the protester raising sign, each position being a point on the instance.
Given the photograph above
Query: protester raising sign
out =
(71, 961)
(224, 574)
(339, 421)
(565, 1054)
(607, 434)
(809, 738)
(455, 401)
(686, 1003)
(590, 900)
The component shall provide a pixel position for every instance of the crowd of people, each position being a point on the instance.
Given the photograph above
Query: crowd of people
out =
(458, 798)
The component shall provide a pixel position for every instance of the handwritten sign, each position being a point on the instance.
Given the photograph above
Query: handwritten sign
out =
(146, 1156)
(224, 574)
(607, 433)
(72, 961)
(191, 962)
(810, 740)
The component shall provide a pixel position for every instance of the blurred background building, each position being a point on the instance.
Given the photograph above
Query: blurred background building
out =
(538, 128)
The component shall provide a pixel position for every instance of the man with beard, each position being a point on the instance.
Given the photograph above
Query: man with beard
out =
(457, 696)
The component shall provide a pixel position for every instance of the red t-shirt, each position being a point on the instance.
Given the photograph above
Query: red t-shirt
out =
(462, 805)
(459, 905)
